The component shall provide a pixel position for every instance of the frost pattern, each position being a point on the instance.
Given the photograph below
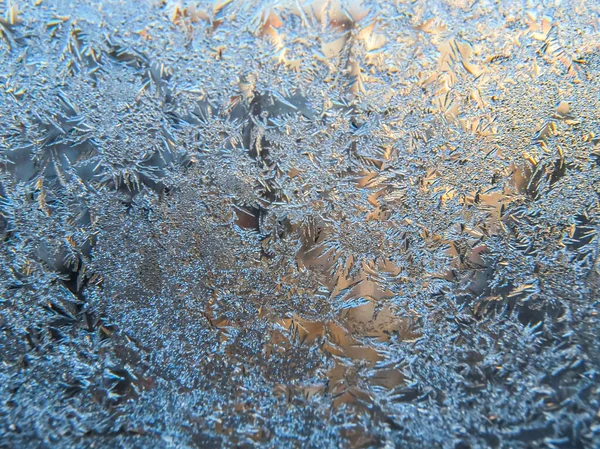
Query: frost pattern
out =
(316, 224)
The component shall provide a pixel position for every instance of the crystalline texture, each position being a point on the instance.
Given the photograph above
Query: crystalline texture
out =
(321, 224)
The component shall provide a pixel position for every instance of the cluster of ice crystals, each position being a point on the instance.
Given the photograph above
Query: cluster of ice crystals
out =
(299, 223)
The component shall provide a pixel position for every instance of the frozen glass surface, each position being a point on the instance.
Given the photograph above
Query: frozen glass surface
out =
(299, 224)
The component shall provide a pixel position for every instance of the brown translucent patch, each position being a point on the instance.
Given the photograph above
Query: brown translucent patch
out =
(333, 48)
(352, 395)
(387, 378)
(341, 343)
(365, 321)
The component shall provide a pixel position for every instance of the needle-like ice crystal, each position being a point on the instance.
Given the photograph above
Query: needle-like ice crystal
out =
(299, 224)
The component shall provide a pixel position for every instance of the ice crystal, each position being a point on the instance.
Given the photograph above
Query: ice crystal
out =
(324, 223)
